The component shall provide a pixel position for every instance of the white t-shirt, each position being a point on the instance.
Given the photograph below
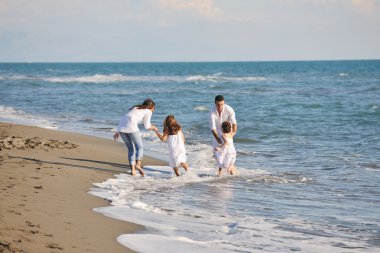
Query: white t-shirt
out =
(129, 122)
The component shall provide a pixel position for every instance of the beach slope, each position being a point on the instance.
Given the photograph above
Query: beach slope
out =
(45, 176)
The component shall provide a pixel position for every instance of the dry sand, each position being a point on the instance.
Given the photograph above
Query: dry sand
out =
(45, 176)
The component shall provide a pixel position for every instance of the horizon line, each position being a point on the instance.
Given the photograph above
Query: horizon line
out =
(224, 61)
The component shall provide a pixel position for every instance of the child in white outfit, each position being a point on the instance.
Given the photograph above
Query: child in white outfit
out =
(226, 153)
(176, 142)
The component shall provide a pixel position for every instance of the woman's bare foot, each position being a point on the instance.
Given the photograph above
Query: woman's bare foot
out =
(133, 170)
(138, 167)
(140, 171)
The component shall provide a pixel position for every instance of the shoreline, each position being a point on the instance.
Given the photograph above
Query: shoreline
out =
(45, 177)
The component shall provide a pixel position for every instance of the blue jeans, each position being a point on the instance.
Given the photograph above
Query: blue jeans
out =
(134, 144)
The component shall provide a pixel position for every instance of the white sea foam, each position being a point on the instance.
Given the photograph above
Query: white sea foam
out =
(169, 232)
(160, 243)
(102, 78)
(10, 114)
(90, 79)
(19, 77)
(219, 78)
(174, 227)
(201, 108)
(202, 78)
(97, 78)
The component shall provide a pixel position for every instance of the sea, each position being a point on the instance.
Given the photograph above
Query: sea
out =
(308, 149)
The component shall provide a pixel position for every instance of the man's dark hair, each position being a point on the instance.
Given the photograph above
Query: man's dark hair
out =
(219, 98)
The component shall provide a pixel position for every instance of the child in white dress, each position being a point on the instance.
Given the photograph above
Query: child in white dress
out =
(226, 153)
(176, 142)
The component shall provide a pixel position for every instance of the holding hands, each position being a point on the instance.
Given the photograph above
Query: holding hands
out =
(154, 128)
(116, 136)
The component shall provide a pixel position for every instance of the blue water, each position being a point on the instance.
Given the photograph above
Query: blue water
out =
(308, 142)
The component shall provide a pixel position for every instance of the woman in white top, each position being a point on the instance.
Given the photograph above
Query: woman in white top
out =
(129, 131)
(176, 142)
(226, 153)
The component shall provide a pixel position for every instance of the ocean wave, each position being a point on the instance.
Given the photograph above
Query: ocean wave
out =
(245, 140)
(372, 166)
(374, 107)
(10, 111)
(97, 78)
(101, 78)
(201, 108)
(266, 177)
(10, 114)
(219, 78)
(88, 79)
(250, 153)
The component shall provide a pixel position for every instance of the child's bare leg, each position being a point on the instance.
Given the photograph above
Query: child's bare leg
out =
(176, 171)
(185, 166)
(133, 170)
(138, 167)
(232, 169)
(219, 172)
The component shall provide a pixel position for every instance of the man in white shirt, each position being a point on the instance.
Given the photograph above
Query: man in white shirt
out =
(218, 114)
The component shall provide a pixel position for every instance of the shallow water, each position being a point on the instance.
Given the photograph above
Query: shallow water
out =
(308, 147)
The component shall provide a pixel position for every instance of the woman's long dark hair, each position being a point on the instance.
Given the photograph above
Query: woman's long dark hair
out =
(147, 104)
(171, 127)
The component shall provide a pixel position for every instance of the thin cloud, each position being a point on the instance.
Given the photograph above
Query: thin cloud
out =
(366, 6)
(204, 8)
(3, 6)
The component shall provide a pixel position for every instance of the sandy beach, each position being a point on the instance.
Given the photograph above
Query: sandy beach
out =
(45, 176)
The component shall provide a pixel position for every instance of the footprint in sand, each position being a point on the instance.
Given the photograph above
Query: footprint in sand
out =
(30, 224)
(7, 247)
(54, 246)
(14, 212)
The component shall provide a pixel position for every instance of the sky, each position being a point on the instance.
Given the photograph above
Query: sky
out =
(188, 30)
